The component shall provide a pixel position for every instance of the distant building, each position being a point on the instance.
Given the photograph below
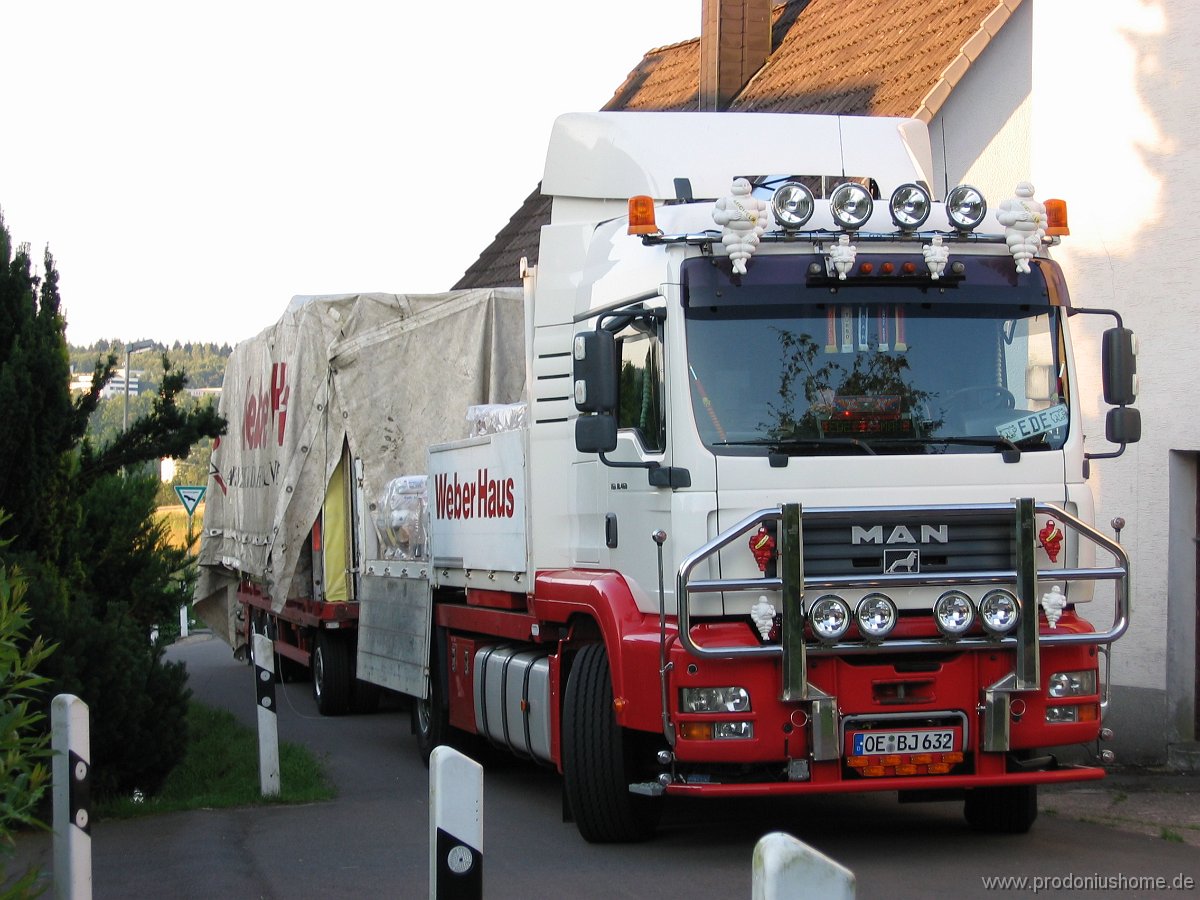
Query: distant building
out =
(82, 382)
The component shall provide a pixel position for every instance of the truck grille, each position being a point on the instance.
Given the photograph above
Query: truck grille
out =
(845, 543)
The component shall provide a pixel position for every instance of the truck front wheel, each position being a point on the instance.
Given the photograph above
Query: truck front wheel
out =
(331, 674)
(1003, 810)
(430, 718)
(597, 758)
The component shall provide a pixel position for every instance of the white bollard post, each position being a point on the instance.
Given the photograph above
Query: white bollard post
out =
(785, 868)
(71, 773)
(455, 826)
(183, 621)
(268, 725)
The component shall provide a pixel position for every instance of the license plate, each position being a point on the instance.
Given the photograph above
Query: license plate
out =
(878, 743)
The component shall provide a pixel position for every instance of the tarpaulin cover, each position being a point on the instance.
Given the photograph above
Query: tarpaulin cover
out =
(389, 374)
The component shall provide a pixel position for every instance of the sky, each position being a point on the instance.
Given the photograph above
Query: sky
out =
(193, 166)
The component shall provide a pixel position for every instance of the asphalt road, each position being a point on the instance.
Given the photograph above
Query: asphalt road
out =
(372, 841)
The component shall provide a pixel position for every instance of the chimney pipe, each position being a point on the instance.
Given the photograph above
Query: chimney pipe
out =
(735, 42)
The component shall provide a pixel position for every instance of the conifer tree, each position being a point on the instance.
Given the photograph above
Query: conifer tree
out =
(99, 569)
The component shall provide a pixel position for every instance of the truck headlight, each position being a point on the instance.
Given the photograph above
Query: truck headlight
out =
(876, 616)
(954, 612)
(1072, 684)
(1058, 715)
(830, 617)
(733, 731)
(999, 611)
(714, 699)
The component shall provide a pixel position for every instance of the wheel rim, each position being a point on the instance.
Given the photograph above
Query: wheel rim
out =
(423, 716)
(318, 671)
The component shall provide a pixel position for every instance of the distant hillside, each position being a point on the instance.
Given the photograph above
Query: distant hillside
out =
(204, 364)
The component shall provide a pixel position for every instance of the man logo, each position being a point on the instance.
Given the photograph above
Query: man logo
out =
(896, 561)
(900, 534)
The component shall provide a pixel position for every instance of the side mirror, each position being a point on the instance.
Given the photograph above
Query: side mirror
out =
(1119, 363)
(1123, 425)
(594, 370)
(596, 434)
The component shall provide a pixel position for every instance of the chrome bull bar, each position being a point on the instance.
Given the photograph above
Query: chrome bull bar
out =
(791, 583)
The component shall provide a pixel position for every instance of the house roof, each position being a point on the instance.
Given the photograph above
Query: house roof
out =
(845, 57)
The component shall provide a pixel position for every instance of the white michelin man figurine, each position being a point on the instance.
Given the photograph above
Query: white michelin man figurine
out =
(936, 256)
(842, 256)
(743, 219)
(1024, 221)
(763, 615)
(1054, 603)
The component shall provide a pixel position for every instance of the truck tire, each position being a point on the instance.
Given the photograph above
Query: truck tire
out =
(1003, 810)
(364, 697)
(331, 674)
(597, 764)
(430, 717)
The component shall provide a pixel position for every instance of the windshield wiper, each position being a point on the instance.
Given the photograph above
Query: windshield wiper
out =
(782, 445)
(1010, 452)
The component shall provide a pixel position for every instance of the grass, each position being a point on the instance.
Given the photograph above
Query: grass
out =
(176, 518)
(220, 770)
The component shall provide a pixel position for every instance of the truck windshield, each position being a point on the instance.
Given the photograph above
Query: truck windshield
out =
(906, 368)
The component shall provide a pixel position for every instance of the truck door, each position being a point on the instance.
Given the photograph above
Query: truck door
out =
(632, 508)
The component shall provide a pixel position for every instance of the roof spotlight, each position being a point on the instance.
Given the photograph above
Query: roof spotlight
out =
(909, 206)
(850, 205)
(793, 205)
(966, 207)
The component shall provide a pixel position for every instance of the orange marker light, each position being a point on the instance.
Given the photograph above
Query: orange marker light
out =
(641, 215)
(866, 268)
(1056, 217)
(696, 731)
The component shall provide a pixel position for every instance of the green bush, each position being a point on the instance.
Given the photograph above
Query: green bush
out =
(24, 754)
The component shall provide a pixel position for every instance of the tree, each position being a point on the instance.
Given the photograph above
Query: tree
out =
(24, 744)
(99, 570)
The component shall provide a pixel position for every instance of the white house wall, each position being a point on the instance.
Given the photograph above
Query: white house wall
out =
(1098, 103)
(1116, 117)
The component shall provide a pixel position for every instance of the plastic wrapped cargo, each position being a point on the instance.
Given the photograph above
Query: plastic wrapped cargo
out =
(399, 517)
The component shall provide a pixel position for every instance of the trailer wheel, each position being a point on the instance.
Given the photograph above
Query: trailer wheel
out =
(597, 763)
(1004, 810)
(331, 674)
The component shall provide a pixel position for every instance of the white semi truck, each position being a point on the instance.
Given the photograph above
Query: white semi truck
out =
(771, 481)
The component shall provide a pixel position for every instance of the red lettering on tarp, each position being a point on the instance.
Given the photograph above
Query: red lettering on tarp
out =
(263, 408)
(280, 392)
